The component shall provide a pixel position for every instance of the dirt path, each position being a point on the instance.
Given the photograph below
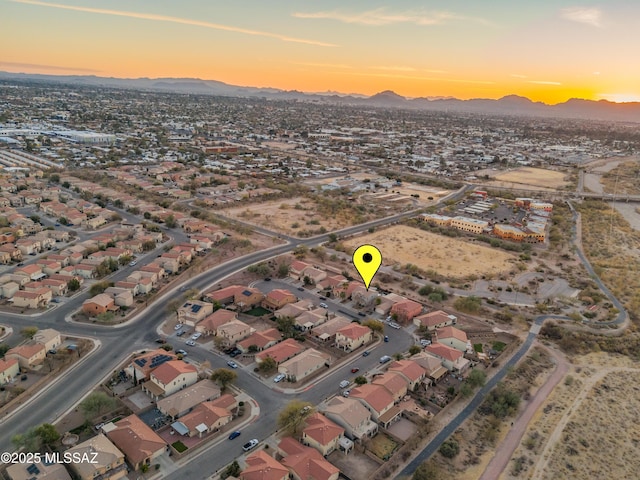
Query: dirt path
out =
(556, 435)
(505, 451)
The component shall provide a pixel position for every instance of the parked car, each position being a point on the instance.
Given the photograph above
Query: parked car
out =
(385, 359)
(394, 325)
(324, 305)
(235, 352)
(190, 343)
(53, 351)
(160, 340)
(424, 342)
(301, 289)
(278, 378)
(232, 364)
(355, 370)
(362, 314)
(323, 298)
(178, 326)
(235, 434)
(181, 352)
(250, 444)
(366, 353)
(344, 383)
(196, 336)
(133, 264)
(267, 279)
(346, 393)
(180, 333)
(386, 339)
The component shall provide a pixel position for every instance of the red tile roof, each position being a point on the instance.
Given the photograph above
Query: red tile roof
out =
(168, 371)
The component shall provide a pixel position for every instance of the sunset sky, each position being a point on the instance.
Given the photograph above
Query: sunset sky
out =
(547, 50)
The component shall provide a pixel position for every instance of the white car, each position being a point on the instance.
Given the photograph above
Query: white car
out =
(324, 305)
(191, 343)
(250, 444)
(278, 378)
(196, 336)
(344, 383)
(178, 326)
(394, 325)
(232, 364)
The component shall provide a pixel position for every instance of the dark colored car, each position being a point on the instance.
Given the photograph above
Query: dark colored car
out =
(235, 434)
(267, 279)
(180, 333)
(366, 353)
(301, 289)
(160, 340)
(362, 314)
(355, 369)
(323, 298)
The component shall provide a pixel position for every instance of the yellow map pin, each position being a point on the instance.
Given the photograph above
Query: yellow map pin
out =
(367, 260)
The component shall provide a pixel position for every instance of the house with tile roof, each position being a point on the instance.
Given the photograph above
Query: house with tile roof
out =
(38, 471)
(395, 384)
(234, 331)
(140, 367)
(211, 324)
(28, 356)
(224, 296)
(453, 337)
(204, 418)
(406, 310)
(193, 312)
(107, 461)
(412, 372)
(304, 462)
(261, 340)
(353, 336)
(433, 320)
(140, 444)
(378, 400)
(278, 298)
(434, 370)
(312, 318)
(452, 359)
(170, 377)
(294, 309)
(261, 466)
(48, 337)
(34, 299)
(327, 331)
(281, 352)
(99, 304)
(322, 434)
(185, 400)
(9, 369)
(304, 364)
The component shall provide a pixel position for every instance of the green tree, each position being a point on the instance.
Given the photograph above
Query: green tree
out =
(63, 221)
(413, 349)
(37, 437)
(477, 378)
(148, 245)
(450, 448)
(4, 348)
(292, 416)
(287, 326)
(428, 471)
(54, 178)
(73, 285)
(98, 288)
(171, 222)
(283, 269)
(470, 304)
(224, 377)
(147, 215)
(267, 365)
(360, 380)
(29, 332)
(35, 218)
(97, 403)
(233, 470)
(374, 325)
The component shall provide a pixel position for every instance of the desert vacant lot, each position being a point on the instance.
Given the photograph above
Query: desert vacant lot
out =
(534, 177)
(587, 426)
(602, 434)
(284, 215)
(428, 251)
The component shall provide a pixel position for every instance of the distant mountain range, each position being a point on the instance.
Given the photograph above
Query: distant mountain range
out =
(509, 105)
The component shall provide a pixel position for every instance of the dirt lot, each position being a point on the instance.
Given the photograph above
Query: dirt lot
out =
(428, 251)
(283, 215)
(587, 426)
(528, 176)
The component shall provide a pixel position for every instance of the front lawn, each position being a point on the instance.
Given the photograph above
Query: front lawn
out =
(258, 312)
(179, 446)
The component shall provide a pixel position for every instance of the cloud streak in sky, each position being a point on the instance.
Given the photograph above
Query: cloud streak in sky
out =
(178, 20)
(587, 15)
(381, 16)
(544, 82)
(47, 67)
